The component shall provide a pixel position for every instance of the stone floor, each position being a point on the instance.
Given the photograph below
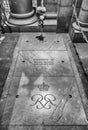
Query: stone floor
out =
(82, 54)
(82, 49)
(6, 53)
(43, 90)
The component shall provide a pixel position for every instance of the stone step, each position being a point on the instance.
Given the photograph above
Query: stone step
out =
(76, 35)
(49, 26)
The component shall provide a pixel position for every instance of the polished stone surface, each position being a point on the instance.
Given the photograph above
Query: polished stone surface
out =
(43, 89)
(48, 100)
(52, 41)
(48, 63)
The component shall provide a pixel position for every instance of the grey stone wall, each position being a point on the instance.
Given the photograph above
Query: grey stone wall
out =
(51, 5)
(65, 12)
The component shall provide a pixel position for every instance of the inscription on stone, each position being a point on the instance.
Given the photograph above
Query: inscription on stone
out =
(43, 61)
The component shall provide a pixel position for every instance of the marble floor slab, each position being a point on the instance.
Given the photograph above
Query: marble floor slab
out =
(43, 100)
(52, 41)
(43, 89)
(48, 63)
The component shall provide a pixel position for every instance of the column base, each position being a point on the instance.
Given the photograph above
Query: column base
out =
(49, 26)
(23, 19)
(75, 33)
(83, 28)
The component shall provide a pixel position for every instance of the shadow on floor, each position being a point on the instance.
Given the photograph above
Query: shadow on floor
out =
(6, 53)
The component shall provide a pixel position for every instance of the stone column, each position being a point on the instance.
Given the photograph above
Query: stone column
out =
(22, 12)
(83, 17)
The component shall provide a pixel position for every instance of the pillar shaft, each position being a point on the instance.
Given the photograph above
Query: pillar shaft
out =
(83, 15)
(22, 12)
(78, 27)
(20, 6)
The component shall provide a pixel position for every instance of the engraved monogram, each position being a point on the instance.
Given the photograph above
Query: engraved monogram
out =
(45, 102)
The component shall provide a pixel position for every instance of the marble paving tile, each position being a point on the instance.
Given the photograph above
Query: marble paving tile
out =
(50, 63)
(52, 41)
(45, 101)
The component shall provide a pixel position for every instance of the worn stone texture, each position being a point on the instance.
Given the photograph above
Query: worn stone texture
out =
(44, 87)
(65, 13)
(6, 53)
(82, 50)
(63, 9)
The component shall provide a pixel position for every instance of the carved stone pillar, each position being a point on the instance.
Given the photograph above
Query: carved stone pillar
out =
(22, 12)
(83, 17)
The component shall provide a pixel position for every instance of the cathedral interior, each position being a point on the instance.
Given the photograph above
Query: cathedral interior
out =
(43, 64)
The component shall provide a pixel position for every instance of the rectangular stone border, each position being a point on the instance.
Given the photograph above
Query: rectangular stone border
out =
(8, 80)
(77, 75)
(10, 76)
